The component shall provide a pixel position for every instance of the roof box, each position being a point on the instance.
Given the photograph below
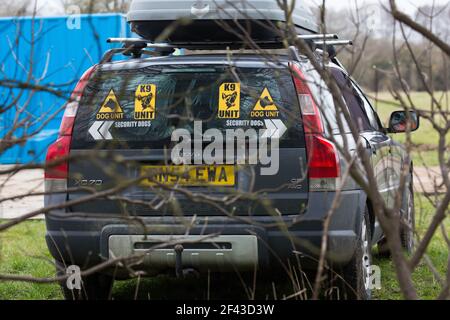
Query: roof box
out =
(217, 21)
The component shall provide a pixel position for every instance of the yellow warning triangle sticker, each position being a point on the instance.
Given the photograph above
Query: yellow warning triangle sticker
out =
(111, 104)
(265, 102)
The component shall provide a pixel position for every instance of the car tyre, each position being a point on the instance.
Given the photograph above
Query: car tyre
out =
(408, 224)
(356, 273)
(383, 249)
(406, 229)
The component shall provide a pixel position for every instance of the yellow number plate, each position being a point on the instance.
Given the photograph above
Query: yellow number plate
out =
(188, 175)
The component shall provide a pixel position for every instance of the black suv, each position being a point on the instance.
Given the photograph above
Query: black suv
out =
(238, 215)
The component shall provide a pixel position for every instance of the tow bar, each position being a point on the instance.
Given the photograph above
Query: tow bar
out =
(178, 262)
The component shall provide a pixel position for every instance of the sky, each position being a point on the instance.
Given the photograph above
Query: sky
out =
(55, 7)
(43, 7)
(408, 6)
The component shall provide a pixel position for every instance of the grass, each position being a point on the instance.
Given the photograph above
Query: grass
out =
(427, 285)
(23, 252)
(426, 138)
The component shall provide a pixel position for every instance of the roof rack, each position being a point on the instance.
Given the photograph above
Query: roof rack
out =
(318, 36)
(330, 46)
(133, 41)
(136, 47)
(325, 42)
(335, 43)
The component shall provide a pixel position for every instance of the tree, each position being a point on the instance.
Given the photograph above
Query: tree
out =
(99, 6)
(403, 65)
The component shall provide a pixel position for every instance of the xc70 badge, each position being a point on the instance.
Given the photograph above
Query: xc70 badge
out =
(88, 183)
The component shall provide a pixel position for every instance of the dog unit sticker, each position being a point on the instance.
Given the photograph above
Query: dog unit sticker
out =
(110, 109)
(145, 102)
(229, 100)
(265, 107)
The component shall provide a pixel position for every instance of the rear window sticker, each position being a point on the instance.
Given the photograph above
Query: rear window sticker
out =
(110, 109)
(132, 124)
(245, 123)
(100, 130)
(265, 107)
(229, 100)
(275, 129)
(145, 102)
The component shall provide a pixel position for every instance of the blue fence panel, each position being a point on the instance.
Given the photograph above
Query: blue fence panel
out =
(46, 52)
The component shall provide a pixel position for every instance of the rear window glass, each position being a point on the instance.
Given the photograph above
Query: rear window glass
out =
(353, 100)
(143, 107)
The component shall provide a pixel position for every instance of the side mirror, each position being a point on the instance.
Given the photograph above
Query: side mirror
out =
(402, 121)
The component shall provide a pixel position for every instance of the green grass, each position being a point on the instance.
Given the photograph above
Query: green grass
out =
(24, 252)
(426, 138)
(427, 285)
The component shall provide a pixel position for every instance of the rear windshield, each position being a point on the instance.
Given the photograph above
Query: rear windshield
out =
(142, 107)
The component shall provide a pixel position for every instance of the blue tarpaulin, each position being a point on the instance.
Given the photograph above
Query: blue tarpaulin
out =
(53, 53)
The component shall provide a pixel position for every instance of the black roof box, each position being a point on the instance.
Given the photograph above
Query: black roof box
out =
(216, 21)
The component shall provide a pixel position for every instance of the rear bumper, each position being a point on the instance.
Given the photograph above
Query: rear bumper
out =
(201, 252)
(89, 241)
(87, 248)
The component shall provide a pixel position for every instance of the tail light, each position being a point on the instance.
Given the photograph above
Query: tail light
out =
(323, 158)
(57, 166)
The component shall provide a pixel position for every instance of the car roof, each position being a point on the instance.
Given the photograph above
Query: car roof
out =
(237, 60)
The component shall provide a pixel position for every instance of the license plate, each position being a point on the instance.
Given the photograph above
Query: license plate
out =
(188, 175)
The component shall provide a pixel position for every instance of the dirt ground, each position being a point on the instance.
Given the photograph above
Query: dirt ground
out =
(31, 181)
(23, 183)
(427, 180)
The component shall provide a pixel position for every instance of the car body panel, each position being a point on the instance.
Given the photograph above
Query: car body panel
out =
(81, 235)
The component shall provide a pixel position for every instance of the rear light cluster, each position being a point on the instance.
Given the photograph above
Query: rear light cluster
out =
(323, 158)
(56, 162)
